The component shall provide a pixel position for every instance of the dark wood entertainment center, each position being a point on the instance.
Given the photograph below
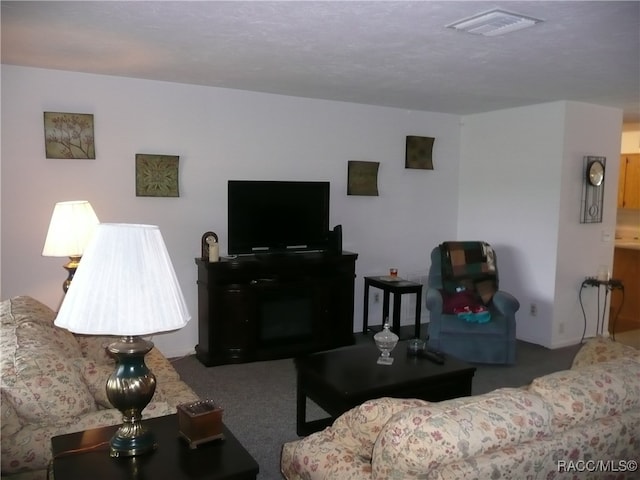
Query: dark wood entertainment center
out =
(263, 307)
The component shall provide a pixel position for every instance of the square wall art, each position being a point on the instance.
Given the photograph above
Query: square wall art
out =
(362, 178)
(156, 175)
(69, 135)
(418, 152)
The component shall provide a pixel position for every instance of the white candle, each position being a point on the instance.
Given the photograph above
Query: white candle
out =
(214, 253)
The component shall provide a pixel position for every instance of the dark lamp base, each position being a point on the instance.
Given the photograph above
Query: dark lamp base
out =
(129, 389)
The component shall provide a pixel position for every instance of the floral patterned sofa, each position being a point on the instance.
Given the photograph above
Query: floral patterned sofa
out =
(53, 382)
(556, 427)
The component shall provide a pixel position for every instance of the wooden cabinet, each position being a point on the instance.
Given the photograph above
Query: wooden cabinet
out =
(624, 311)
(629, 181)
(274, 306)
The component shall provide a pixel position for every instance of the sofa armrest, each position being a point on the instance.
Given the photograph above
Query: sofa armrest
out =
(344, 449)
(505, 303)
(321, 456)
(602, 349)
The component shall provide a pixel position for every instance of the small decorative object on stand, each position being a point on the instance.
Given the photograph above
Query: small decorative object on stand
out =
(200, 422)
(386, 341)
(210, 247)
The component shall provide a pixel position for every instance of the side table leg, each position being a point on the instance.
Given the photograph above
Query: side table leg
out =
(365, 308)
(418, 311)
(385, 306)
(397, 299)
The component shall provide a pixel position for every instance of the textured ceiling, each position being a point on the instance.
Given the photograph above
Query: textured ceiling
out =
(395, 54)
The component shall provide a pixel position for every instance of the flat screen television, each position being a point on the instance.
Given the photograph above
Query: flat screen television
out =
(277, 216)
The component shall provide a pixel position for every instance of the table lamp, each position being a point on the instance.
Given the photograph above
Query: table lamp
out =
(126, 286)
(70, 228)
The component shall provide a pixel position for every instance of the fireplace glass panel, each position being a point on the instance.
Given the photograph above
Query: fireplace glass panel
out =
(285, 315)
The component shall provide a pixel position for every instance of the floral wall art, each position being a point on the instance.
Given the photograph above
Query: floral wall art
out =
(157, 175)
(419, 152)
(362, 178)
(69, 135)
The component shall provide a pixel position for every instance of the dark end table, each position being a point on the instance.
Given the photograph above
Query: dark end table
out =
(341, 379)
(217, 460)
(388, 286)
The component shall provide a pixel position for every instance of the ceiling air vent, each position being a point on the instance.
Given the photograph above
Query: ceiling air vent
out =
(493, 23)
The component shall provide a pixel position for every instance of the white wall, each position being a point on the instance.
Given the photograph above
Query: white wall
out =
(219, 134)
(516, 185)
(509, 194)
(520, 189)
(583, 248)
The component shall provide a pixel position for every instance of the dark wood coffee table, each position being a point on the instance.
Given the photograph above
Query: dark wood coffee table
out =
(341, 379)
(173, 459)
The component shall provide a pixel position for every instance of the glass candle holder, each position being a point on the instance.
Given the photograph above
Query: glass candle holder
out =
(386, 341)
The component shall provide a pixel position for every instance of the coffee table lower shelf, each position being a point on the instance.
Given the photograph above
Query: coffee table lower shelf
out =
(341, 379)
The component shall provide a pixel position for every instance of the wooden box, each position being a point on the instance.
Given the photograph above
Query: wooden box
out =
(200, 422)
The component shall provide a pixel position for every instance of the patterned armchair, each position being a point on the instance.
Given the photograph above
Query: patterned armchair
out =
(474, 266)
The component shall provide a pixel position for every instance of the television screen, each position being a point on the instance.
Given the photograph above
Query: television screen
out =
(277, 216)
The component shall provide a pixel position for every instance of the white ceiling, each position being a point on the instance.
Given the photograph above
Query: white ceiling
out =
(395, 54)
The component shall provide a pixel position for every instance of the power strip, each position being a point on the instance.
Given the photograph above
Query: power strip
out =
(611, 283)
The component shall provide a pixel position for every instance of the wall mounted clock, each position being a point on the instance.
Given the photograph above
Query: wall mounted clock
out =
(595, 172)
(592, 189)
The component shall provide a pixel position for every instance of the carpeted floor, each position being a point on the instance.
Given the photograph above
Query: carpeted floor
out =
(259, 398)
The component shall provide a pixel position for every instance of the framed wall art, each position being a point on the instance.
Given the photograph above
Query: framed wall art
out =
(69, 135)
(418, 152)
(362, 178)
(157, 175)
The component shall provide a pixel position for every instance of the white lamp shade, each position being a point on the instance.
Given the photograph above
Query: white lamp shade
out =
(125, 285)
(70, 229)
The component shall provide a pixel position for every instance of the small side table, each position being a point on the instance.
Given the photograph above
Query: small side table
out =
(608, 285)
(398, 288)
(216, 460)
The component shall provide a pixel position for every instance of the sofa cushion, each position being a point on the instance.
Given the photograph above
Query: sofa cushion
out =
(56, 392)
(591, 392)
(8, 418)
(601, 349)
(94, 348)
(560, 456)
(420, 439)
(39, 379)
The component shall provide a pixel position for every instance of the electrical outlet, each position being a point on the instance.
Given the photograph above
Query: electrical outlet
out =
(376, 297)
(533, 310)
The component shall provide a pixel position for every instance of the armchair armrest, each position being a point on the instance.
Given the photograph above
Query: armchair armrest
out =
(433, 300)
(505, 303)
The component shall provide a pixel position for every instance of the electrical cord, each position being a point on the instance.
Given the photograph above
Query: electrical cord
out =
(584, 314)
(76, 451)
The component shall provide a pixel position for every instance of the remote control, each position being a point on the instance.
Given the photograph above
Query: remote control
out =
(432, 355)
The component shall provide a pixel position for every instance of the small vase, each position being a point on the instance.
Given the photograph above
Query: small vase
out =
(386, 341)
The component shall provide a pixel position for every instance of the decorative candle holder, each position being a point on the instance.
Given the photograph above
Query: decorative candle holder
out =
(386, 341)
